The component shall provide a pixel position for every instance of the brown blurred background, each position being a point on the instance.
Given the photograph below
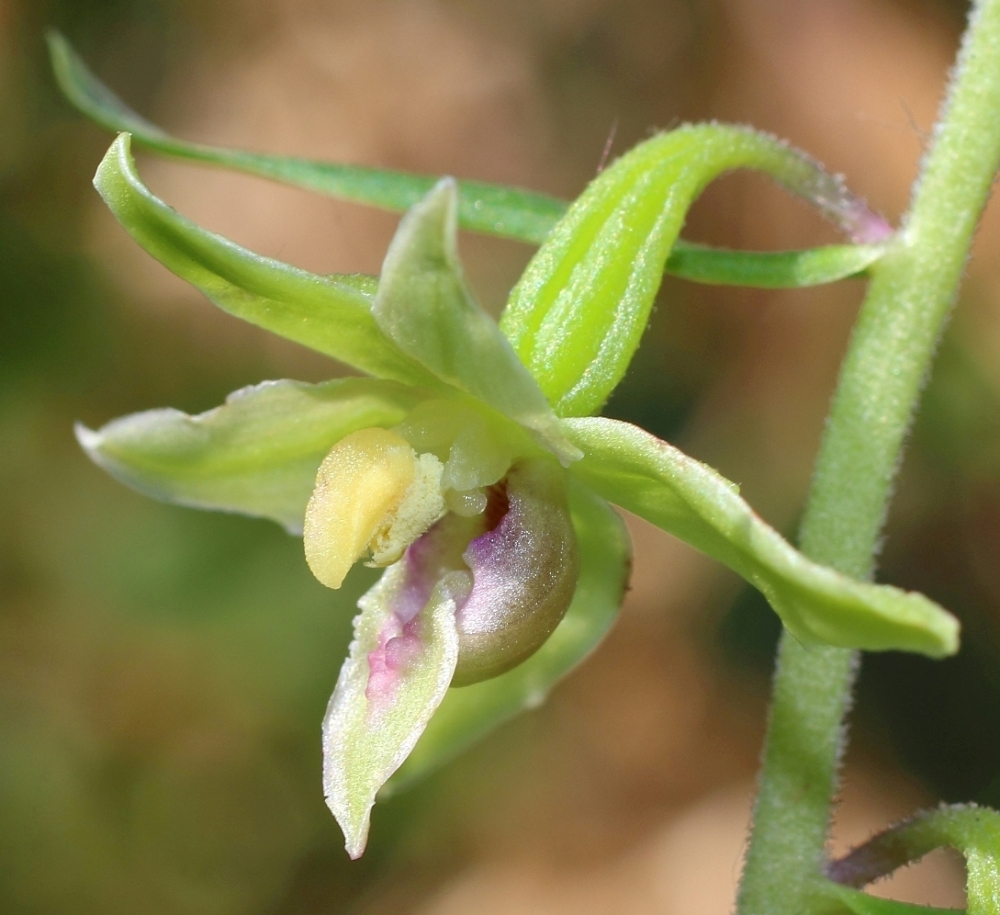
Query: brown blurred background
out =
(163, 672)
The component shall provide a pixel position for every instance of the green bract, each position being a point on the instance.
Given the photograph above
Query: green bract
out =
(489, 208)
(505, 564)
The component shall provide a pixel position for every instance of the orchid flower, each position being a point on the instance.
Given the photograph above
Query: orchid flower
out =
(469, 464)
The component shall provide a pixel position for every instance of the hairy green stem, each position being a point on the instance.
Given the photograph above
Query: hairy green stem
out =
(891, 349)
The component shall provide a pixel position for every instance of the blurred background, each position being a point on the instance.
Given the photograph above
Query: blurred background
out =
(163, 672)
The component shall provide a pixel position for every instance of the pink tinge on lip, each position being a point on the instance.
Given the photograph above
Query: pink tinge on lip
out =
(517, 566)
(399, 645)
(433, 556)
(524, 572)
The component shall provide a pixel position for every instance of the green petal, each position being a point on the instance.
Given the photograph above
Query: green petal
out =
(690, 500)
(469, 713)
(368, 732)
(328, 314)
(579, 311)
(424, 306)
(257, 454)
(489, 208)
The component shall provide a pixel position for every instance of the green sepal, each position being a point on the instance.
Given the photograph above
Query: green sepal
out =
(688, 499)
(326, 314)
(578, 312)
(366, 735)
(257, 454)
(425, 307)
(492, 209)
(469, 713)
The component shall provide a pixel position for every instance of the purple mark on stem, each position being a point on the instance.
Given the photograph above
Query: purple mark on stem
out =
(864, 226)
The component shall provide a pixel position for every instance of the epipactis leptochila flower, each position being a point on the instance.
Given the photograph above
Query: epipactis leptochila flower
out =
(451, 467)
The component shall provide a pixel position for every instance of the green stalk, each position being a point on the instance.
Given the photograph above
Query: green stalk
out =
(912, 290)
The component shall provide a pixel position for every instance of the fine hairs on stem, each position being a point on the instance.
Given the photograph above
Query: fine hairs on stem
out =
(907, 305)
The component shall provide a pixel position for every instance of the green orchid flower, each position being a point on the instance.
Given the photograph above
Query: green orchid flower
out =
(468, 464)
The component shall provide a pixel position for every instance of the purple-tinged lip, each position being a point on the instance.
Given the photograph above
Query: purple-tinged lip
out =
(524, 563)
(399, 645)
(434, 555)
(524, 573)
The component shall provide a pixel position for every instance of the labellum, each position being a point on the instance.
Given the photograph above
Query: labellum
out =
(524, 571)
(471, 596)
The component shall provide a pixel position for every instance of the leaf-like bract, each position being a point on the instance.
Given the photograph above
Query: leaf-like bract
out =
(507, 212)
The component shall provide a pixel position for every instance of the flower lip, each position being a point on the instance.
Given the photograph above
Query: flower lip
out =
(513, 570)
(524, 572)
(400, 641)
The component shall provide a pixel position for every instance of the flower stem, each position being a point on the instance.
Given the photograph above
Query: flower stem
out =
(907, 306)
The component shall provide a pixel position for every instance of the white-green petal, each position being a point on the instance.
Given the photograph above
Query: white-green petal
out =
(257, 454)
(425, 307)
(367, 733)
(469, 713)
(690, 500)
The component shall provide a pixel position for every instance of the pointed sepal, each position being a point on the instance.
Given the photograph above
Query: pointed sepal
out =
(401, 662)
(329, 314)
